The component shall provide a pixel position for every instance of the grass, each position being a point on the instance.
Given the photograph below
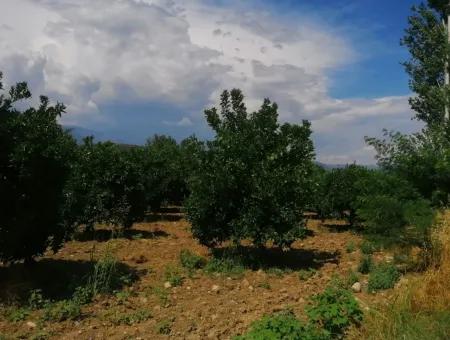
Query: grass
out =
(162, 295)
(350, 247)
(191, 261)
(131, 318)
(164, 327)
(306, 274)
(173, 275)
(227, 266)
(422, 309)
(366, 264)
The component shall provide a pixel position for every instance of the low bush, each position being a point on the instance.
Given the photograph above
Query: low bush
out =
(367, 248)
(16, 314)
(366, 264)
(282, 326)
(334, 310)
(383, 276)
(130, 319)
(191, 261)
(62, 310)
(350, 247)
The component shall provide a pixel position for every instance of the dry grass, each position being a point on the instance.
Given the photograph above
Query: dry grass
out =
(421, 309)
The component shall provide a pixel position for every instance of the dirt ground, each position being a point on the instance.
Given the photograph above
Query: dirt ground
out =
(205, 306)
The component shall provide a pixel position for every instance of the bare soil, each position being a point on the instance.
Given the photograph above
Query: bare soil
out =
(205, 306)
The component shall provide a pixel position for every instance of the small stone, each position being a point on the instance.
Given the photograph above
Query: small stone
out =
(31, 324)
(215, 288)
(250, 288)
(245, 283)
(356, 287)
(167, 285)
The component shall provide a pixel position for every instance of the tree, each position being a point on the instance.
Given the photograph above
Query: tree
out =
(340, 191)
(427, 41)
(35, 155)
(253, 180)
(106, 185)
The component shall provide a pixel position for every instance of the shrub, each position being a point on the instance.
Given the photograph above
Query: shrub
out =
(191, 261)
(366, 264)
(36, 300)
(384, 276)
(252, 181)
(35, 157)
(282, 326)
(367, 248)
(17, 314)
(62, 310)
(334, 310)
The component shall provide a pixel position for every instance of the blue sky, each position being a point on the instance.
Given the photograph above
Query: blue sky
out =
(128, 69)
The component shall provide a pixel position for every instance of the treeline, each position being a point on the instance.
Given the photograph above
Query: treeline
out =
(254, 180)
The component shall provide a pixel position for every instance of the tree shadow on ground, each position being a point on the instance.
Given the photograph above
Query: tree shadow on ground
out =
(274, 258)
(103, 235)
(337, 227)
(56, 278)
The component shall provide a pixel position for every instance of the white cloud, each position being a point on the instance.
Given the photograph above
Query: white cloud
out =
(184, 53)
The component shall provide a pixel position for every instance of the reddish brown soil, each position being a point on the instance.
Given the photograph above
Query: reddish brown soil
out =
(192, 310)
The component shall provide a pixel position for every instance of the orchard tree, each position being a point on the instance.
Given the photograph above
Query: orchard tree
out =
(106, 185)
(35, 156)
(253, 180)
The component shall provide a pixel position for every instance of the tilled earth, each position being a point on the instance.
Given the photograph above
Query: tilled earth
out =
(205, 306)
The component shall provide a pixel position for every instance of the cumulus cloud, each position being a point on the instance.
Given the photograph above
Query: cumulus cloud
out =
(174, 58)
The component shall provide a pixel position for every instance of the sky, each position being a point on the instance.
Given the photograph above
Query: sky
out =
(128, 69)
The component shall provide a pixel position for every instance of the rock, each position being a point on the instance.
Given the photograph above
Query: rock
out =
(250, 288)
(167, 284)
(215, 288)
(31, 324)
(245, 283)
(356, 287)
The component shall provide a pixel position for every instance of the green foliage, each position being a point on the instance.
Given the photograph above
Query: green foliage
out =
(282, 326)
(384, 276)
(352, 278)
(36, 300)
(131, 318)
(306, 274)
(350, 247)
(252, 181)
(173, 275)
(104, 276)
(367, 248)
(35, 155)
(162, 295)
(230, 266)
(191, 261)
(17, 314)
(366, 264)
(106, 185)
(425, 33)
(334, 310)
(164, 327)
(340, 191)
(62, 310)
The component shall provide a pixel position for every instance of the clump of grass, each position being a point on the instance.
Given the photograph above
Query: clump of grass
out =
(191, 261)
(227, 266)
(162, 295)
(62, 310)
(102, 278)
(130, 319)
(265, 285)
(306, 274)
(366, 264)
(164, 327)
(384, 276)
(352, 278)
(350, 247)
(173, 275)
(367, 248)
